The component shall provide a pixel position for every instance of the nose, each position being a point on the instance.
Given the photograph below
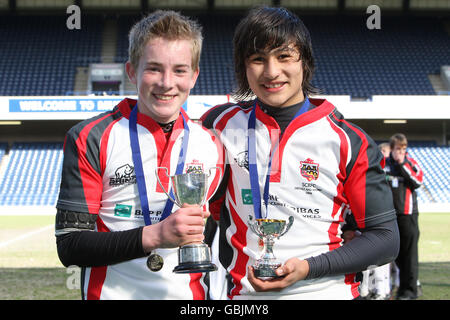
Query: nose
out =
(271, 68)
(166, 80)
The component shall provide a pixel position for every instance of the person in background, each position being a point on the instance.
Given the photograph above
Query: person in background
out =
(405, 176)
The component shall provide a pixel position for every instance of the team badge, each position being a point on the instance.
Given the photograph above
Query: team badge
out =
(194, 167)
(309, 169)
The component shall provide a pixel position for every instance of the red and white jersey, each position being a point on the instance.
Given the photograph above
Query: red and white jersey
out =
(322, 166)
(99, 178)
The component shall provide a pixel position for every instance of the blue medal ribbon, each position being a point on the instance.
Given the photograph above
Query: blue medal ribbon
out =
(252, 161)
(138, 169)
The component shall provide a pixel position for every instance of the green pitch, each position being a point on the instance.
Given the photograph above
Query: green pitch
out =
(30, 268)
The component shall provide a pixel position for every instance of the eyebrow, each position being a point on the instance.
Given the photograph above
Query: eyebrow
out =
(153, 63)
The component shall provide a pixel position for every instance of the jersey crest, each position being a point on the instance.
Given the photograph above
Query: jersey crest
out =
(194, 167)
(309, 169)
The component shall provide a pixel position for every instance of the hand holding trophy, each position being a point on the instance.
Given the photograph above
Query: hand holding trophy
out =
(191, 189)
(267, 230)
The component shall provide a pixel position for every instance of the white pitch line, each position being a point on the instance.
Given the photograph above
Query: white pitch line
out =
(26, 235)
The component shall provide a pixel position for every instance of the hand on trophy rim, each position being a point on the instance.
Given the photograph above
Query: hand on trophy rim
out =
(292, 271)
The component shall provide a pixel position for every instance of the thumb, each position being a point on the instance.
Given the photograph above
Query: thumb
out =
(285, 269)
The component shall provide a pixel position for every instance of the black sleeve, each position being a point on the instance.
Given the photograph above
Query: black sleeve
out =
(376, 245)
(93, 249)
(78, 244)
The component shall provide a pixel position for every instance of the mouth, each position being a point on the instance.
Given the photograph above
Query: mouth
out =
(164, 97)
(273, 86)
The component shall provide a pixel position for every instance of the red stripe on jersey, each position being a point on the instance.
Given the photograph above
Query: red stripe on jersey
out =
(417, 176)
(323, 108)
(223, 121)
(91, 179)
(335, 241)
(104, 146)
(408, 200)
(98, 274)
(96, 280)
(230, 187)
(239, 242)
(355, 187)
(350, 280)
(198, 293)
(165, 152)
(220, 163)
(274, 134)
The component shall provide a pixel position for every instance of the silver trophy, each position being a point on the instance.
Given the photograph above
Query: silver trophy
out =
(192, 189)
(267, 230)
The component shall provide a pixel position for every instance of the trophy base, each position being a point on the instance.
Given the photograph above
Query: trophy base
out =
(266, 272)
(194, 258)
(195, 267)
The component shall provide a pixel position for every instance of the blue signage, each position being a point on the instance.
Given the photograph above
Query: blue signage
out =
(62, 105)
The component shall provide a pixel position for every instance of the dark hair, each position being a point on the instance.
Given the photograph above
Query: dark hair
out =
(267, 28)
(398, 138)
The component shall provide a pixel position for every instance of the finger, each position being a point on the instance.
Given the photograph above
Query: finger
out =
(192, 239)
(192, 211)
(206, 214)
(194, 230)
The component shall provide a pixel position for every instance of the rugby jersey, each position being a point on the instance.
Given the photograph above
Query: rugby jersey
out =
(322, 166)
(404, 179)
(98, 177)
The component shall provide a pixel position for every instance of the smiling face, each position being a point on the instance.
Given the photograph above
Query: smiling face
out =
(275, 77)
(163, 77)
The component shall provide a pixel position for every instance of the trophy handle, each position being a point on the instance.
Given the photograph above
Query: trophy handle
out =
(288, 226)
(253, 228)
(160, 184)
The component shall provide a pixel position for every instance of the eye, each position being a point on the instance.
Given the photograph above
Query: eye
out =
(152, 69)
(180, 71)
(256, 59)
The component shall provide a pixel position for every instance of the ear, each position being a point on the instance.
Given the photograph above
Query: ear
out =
(131, 72)
(195, 77)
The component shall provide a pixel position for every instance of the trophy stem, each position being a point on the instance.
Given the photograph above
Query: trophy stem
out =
(268, 248)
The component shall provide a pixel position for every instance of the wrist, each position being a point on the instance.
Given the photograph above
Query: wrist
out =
(150, 238)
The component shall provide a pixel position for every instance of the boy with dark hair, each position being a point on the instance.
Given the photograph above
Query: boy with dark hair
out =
(294, 156)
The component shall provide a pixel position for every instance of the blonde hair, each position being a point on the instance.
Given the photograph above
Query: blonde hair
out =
(166, 24)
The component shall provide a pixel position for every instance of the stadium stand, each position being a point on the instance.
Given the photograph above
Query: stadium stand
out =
(42, 54)
(351, 59)
(32, 174)
(434, 161)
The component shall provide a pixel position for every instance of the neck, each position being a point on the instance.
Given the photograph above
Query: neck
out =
(158, 118)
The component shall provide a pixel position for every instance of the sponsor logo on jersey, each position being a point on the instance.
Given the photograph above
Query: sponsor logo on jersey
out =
(242, 159)
(123, 175)
(122, 210)
(309, 169)
(194, 167)
(247, 197)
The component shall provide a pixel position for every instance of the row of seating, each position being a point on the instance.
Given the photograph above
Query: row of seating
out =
(33, 173)
(40, 54)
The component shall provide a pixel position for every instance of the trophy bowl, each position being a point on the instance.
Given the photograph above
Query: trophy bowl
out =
(268, 230)
(192, 189)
